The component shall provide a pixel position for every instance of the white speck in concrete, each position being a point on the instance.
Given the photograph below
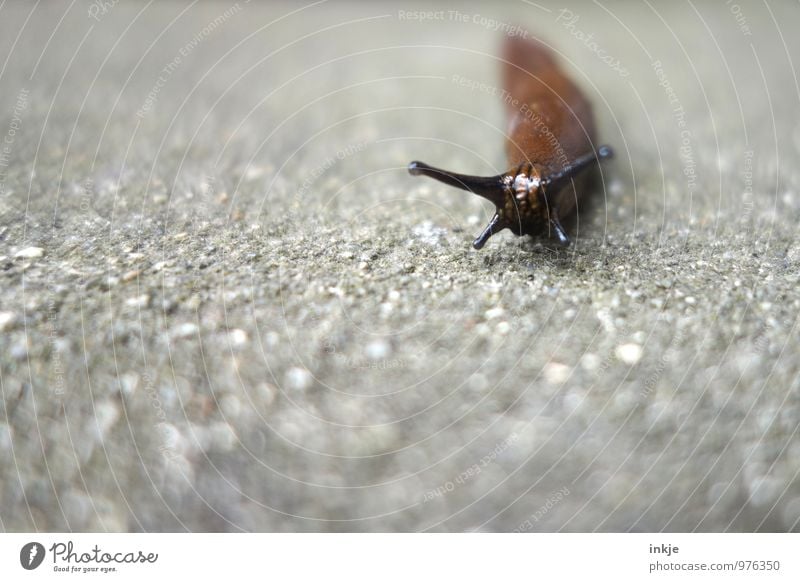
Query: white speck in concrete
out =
(128, 383)
(495, 312)
(106, 414)
(299, 379)
(271, 339)
(238, 337)
(253, 173)
(170, 436)
(428, 233)
(19, 351)
(378, 350)
(616, 187)
(30, 253)
(185, 330)
(140, 301)
(7, 320)
(629, 353)
(556, 373)
(605, 318)
(590, 362)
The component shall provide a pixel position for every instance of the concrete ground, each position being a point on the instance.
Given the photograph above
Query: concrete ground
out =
(226, 305)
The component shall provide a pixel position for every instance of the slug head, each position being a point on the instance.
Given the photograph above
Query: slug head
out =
(520, 196)
(499, 190)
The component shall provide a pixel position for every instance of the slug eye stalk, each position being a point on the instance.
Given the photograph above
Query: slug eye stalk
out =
(491, 187)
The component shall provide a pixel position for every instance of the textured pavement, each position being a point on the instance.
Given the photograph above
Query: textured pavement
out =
(227, 306)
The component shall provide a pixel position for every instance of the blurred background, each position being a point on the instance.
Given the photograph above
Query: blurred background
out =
(226, 306)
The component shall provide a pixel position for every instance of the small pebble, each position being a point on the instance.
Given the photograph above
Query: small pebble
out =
(238, 337)
(629, 353)
(590, 362)
(378, 350)
(556, 373)
(428, 233)
(106, 414)
(30, 253)
(483, 330)
(185, 330)
(170, 436)
(7, 320)
(253, 173)
(495, 312)
(299, 379)
(128, 382)
(19, 351)
(140, 301)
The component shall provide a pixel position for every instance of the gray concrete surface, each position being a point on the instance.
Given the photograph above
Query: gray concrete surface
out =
(243, 314)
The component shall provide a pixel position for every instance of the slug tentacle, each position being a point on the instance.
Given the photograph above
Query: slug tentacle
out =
(495, 225)
(558, 180)
(561, 234)
(490, 187)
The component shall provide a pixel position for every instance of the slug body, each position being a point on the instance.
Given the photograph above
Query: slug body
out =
(550, 143)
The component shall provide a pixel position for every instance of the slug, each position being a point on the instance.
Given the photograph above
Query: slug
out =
(549, 145)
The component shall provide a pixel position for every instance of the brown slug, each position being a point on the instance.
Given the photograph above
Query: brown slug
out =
(550, 142)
